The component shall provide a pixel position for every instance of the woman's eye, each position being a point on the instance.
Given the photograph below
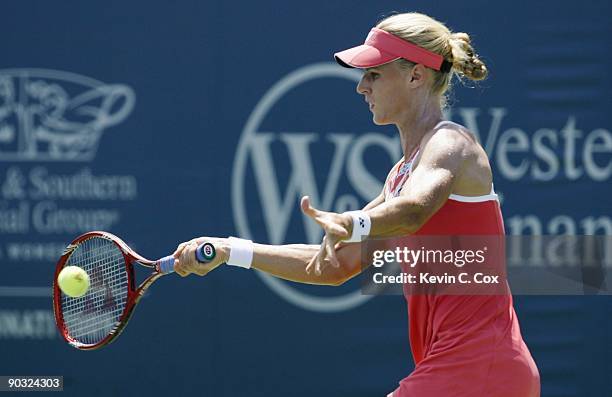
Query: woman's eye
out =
(374, 75)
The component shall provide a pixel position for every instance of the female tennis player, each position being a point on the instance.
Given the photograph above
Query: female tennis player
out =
(462, 345)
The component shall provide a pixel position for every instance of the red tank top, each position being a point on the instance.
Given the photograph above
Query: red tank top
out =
(464, 345)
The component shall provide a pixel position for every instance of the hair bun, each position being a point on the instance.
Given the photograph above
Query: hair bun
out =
(461, 36)
(465, 61)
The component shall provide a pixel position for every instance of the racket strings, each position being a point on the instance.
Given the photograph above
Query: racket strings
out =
(92, 317)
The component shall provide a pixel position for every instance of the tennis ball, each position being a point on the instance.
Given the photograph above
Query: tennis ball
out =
(73, 281)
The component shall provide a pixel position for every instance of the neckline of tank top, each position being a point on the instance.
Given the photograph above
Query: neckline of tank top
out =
(492, 196)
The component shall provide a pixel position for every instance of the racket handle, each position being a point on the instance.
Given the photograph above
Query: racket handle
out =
(166, 264)
(204, 253)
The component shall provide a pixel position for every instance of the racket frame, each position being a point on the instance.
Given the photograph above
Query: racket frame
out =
(133, 296)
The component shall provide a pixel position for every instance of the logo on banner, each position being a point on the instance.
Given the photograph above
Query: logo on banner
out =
(50, 124)
(49, 115)
(255, 152)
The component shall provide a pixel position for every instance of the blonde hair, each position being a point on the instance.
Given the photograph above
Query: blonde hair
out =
(434, 36)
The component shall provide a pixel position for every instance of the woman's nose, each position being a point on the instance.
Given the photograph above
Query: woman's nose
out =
(363, 86)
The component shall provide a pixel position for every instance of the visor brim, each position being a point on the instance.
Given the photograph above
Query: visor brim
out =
(363, 56)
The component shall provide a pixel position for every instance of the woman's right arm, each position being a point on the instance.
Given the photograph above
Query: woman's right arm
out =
(289, 262)
(283, 261)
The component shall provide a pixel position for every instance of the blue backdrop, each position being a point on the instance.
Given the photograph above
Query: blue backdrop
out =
(161, 121)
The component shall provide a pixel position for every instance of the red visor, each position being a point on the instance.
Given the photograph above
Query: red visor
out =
(381, 47)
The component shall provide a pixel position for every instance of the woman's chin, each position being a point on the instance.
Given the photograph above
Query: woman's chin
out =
(380, 120)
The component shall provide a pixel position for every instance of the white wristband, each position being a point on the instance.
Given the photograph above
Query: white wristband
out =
(241, 252)
(361, 226)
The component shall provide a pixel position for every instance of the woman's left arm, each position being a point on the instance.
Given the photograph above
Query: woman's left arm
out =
(428, 188)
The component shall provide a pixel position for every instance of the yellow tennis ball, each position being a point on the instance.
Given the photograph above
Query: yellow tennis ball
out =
(73, 281)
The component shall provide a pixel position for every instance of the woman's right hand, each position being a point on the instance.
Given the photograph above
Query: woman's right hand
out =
(185, 256)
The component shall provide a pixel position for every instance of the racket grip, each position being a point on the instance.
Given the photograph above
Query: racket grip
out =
(166, 264)
(204, 253)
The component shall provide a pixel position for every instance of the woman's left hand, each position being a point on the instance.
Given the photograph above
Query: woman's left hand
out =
(337, 227)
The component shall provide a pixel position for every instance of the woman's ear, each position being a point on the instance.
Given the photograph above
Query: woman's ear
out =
(417, 75)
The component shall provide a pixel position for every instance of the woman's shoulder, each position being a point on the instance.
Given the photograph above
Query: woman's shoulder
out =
(451, 128)
(449, 124)
(448, 135)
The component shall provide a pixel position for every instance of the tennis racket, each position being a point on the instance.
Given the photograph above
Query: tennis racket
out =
(98, 317)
